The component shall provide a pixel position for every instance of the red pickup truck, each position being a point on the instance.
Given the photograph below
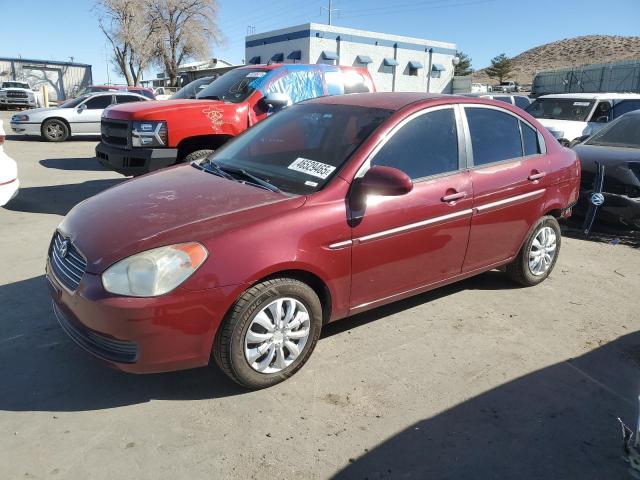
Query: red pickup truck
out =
(141, 137)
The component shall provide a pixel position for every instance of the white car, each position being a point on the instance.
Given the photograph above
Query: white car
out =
(164, 93)
(569, 116)
(80, 116)
(17, 94)
(9, 183)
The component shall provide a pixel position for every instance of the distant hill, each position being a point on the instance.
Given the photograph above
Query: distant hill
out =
(569, 52)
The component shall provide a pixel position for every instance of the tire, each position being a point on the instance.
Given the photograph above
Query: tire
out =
(54, 130)
(523, 269)
(231, 350)
(197, 155)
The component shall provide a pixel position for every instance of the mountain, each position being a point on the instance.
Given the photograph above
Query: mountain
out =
(570, 52)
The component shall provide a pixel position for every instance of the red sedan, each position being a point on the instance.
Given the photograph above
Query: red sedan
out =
(329, 208)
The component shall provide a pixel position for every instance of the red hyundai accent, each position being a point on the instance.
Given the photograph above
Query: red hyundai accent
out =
(331, 207)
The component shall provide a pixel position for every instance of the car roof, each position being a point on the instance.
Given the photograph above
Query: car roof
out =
(594, 96)
(114, 92)
(386, 100)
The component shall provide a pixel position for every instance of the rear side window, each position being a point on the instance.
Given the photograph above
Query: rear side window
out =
(495, 135)
(530, 143)
(127, 98)
(521, 102)
(426, 145)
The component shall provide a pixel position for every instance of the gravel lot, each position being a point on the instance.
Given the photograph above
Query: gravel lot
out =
(475, 380)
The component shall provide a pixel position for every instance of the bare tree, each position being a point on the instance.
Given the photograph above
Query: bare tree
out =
(131, 34)
(186, 29)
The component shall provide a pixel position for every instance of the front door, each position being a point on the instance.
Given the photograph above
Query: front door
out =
(87, 120)
(403, 243)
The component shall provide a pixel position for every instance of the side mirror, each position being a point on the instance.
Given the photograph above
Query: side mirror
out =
(277, 100)
(82, 107)
(380, 180)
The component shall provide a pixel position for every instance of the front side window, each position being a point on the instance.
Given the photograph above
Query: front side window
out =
(561, 109)
(302, 147)
(495, 135)
(427, 145)
(190, 90)
(99, 102)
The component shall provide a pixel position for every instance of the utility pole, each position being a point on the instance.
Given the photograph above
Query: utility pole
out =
(329, 10)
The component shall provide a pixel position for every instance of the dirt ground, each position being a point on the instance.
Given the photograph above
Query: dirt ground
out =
(476, 380)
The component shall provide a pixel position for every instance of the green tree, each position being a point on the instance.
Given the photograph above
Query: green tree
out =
(464, 65)
(501, 67)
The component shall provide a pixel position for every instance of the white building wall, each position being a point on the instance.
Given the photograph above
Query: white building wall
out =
(349, 43)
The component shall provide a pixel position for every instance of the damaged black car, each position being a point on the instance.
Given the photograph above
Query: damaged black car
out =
(610, 185)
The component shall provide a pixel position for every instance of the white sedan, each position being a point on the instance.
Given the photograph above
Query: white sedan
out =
(80, 116)
(9, 183)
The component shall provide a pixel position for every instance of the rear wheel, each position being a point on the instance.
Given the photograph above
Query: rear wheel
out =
(269, 333)
(538, 255)
(55, 130)
(197, 155)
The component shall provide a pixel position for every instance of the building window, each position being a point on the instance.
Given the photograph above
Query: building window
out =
(414, 66)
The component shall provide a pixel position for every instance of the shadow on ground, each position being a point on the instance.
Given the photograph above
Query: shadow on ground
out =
(34, 138)
(555, 423)
(57, 199)
(88, 164)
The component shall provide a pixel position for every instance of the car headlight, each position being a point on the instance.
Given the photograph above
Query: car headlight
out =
(20, 118)
(154, 272)
(149, 134)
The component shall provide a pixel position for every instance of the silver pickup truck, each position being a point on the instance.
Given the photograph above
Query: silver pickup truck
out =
(17, 94)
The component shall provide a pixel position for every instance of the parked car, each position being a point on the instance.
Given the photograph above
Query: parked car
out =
(80, 116)
(191, 89)
(481, 88)
(145, 92)
(17, 94)
(137, 139)
(164, 93)
(507, 87)
(610, 185)
(572, 115)
(329, 208)
(9, 183)
(520, 101)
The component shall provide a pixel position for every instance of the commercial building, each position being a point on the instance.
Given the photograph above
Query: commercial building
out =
(396, 63)
(188, 72)
(63, 79)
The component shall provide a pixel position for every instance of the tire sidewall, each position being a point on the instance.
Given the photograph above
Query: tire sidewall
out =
(241, 368)
(197, 155)
(62, 124)
(543, 222)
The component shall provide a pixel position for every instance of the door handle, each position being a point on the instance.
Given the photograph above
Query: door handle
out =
(536, 176)
(454, 196)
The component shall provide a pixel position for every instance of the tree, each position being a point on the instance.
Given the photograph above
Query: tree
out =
(464, 65)
(185, 30)
(130, 34)
(501, 67)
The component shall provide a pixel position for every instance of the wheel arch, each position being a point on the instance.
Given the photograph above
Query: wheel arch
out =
(201, 142)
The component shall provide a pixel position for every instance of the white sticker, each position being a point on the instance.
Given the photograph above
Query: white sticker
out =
(311, 184)
(256, 74)
(581, 104)
(311, 167)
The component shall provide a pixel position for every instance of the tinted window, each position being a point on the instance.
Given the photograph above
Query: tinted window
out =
(522, 102)
(102, 101)
(127, 98)
(427, 145)
(234, 86)
(625, 106)
(624, 132)
(561, 108)
(503, 99)
(495, 135)
(529, 140)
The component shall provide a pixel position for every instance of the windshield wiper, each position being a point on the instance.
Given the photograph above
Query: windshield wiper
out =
(259, 181)
(211, 167)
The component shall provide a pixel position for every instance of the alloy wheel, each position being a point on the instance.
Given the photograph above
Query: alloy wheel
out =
(543, 251)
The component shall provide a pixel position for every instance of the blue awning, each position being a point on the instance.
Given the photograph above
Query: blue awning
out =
(277, 57)
(438, 67)
(415, 64)
(365, 59)
(329, 55)
(390, 62)
(254, 60)
(295, 55)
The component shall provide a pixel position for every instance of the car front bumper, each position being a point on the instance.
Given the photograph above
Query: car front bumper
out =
(24, 128)
(8, 190)
(141, 335)
(18, 102)
(136, 161)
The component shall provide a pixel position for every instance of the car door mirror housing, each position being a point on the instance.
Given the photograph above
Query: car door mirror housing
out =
(386, 181)
(277, 100)
(82, 107)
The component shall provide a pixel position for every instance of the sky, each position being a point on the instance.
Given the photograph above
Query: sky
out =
(480, 28)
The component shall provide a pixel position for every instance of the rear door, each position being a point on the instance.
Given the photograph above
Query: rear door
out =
(509, 175)
(403, 243)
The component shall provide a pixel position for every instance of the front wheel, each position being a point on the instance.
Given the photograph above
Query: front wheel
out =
(269, 333)
(55, 130)
(538, 255)
(197, 155)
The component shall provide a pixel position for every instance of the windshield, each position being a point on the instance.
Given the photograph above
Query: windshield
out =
(14, 85)
(299, 149)
(624, 132)
(234, 86)
(576, 110)
(191, 89)
(74, 102)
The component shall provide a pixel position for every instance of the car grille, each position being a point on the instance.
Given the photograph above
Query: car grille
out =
(68, 268)
(115, 133)
(107, 348)
(16, 94)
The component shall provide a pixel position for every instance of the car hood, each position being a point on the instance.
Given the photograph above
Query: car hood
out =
(178, 204)
(153, 110)
(39, 111)
(569, 128)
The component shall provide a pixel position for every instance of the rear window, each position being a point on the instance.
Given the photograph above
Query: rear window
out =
(495, 135)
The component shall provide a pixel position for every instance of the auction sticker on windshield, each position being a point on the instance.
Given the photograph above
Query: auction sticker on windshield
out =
(311, 167)
(256, 74)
